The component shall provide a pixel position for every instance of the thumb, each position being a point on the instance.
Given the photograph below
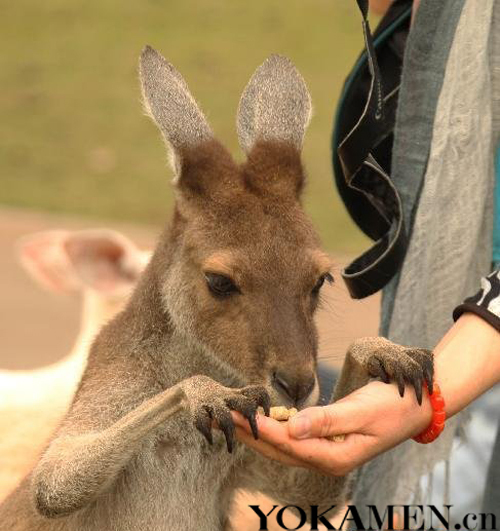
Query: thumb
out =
(324, 421)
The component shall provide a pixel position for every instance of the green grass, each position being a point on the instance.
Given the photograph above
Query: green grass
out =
(72, 134)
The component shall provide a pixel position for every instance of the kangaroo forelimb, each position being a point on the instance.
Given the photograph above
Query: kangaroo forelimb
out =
(75, 469)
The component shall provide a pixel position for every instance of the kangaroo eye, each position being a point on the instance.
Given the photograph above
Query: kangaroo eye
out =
(220, 285)
(326, 277)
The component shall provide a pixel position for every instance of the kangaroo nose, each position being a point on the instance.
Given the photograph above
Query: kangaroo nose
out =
(296, 388)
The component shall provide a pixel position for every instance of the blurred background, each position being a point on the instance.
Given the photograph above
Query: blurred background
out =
(73, 137)
(76, 150)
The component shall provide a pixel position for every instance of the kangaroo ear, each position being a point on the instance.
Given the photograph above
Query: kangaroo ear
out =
(104, 260)
(275, 105)
(169, 103)
(43, 257)
(64, 261)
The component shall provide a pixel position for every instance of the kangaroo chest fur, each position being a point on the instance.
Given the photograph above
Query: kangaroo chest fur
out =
(187, 484)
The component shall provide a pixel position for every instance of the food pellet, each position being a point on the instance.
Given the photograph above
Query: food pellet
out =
(282, 413)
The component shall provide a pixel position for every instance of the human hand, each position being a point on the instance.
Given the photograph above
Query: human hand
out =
(373, 419)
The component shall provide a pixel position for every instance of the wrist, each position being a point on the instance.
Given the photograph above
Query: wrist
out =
(421, 416)
(403, 417)
(467, 361)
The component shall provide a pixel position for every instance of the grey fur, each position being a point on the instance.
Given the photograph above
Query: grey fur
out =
(168, 101)
(129, 454)
(275, 105)
(150, 469)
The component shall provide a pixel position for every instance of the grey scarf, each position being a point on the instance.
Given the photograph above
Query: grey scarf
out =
(451, 208)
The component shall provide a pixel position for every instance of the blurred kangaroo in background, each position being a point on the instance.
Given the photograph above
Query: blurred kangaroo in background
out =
(103, 266)
(222, 319)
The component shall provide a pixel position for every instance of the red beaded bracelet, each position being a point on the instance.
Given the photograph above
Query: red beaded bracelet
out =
(433, 431)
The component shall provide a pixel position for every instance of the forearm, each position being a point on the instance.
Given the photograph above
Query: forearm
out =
(74, 471)
(467, 361)
(77, 467)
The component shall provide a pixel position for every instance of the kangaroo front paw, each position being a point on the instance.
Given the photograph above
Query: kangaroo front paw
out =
(394, 363)
(210, 401)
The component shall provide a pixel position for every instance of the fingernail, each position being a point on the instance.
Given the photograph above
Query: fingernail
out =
(300, 426)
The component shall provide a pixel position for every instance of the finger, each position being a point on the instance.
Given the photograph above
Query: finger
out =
(323, 421)
(267, 449)
(332, 458)
(270, 430)
(338, 458)
(261, 422)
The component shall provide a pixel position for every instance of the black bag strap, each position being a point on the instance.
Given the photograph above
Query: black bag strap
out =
(371, 271)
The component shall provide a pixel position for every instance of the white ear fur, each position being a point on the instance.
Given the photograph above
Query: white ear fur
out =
(275, 105)
(168, 101)
(43, 257)
(102, 259)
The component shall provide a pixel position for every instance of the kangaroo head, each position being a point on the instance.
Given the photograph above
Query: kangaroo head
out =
(242, 263)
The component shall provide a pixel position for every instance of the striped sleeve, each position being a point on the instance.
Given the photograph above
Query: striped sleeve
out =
(486, 302)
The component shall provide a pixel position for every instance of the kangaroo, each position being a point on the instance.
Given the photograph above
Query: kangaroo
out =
(221, 320)
(103, 265)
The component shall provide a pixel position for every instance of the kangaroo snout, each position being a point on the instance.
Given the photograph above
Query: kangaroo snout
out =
(293, 386)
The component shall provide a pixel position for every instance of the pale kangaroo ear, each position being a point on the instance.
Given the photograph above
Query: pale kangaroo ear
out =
(169, 103)
(63, 261)
(105, 260)
(275, 105)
